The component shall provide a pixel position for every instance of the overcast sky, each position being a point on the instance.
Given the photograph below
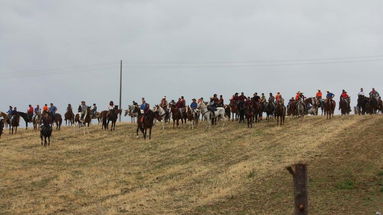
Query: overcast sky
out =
(67, 51)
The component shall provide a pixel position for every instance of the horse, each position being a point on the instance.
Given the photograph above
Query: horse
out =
(241, 111)
(14, 123)
(27, 118)
(257, 108)
(69, 117)
(176, 115)
(374, 103)
(227, 111)
(84, 120)
(280, 113)
(58, 120)
(45, 133)
(1, 126)
(164, 115)
(315, 104)
(344, 106)
(132, 111)
(329, 107)
(6, 120)
(36, 120)
(269, 109)
(145, 123)
(301, 108)
(362, 104)
(112, 117)
(249, 114)
(193, 116)
(233, 109)
(211, 116)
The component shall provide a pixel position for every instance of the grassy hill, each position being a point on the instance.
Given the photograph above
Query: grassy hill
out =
(226, 170)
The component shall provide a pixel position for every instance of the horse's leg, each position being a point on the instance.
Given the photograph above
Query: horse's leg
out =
(150, 133)
(137, 131)
(41, 137)
(145, 133)
(49, 140)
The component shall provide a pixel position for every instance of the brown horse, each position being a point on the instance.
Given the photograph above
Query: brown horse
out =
(6, 119)
(112, 117)
(329, 108)
(249, 114)
(176, 115)
(69, 117)
(145, 122)
(14, 122)
(344, 106)
(280, 113)
(1, 126)
(58, 120)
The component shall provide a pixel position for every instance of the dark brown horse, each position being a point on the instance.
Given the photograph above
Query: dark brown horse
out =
(344, 106)
(27, 118)
(249, 113)
(257, 106)
(45, 133)
(329, 108)
(1, 126)
(176, 115)
(145, 123)
(112, 117)
(192, 116)
(69, 117)
(280, 113)
(6, 120)
(58, 120)
(14, 123)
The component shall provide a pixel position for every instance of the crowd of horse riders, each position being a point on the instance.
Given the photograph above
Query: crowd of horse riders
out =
(239, 107)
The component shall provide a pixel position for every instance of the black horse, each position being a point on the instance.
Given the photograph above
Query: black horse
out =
(45, 133)
(241, 111)
(27, 118)
(1, 126)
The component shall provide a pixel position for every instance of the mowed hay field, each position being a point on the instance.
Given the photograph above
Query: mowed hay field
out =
(228, 169)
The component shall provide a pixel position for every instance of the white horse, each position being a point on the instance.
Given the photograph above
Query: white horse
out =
(162, 114)
(132, 113)
(208, 115)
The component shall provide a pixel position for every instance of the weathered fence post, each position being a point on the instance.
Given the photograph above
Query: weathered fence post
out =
(299, 173)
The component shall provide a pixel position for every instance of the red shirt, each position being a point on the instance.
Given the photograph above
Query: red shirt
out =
(344, 95)
(30, 110)
(242, 98)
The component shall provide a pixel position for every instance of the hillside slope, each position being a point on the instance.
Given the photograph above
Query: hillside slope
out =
(226, 170)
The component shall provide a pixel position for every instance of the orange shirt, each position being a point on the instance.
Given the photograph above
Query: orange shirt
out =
(45, 108)
(319, 94)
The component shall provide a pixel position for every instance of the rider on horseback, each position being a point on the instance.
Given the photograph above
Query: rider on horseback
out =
(94, 110)
(346, 98)
(374, 94)
(37, 110)
(111, 105)
(329, 95)
(212, 106)
(46, 108)
(52, 110)
(164, 103)
(220, 102)
(194, 104)
(9, 112)
(242, 97)
(271, 98)
(263, 98)
(319, 95)
(256, 98)
(278, 97)
(82, 109)
(361, 93)
(30, 111)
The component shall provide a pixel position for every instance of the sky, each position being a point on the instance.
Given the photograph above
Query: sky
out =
(67, 51)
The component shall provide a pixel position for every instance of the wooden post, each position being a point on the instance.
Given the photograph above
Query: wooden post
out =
(119, 103)
(299, 173)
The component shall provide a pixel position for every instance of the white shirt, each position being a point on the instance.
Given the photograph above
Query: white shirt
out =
(361, 93)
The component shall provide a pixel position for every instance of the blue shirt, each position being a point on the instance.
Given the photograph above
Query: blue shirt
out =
(193, 105)
(144, 106)
(330, 95)
(53, 109)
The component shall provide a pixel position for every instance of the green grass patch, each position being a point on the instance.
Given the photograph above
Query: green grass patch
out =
(346, 185)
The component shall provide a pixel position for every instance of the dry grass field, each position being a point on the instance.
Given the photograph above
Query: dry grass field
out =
(226, 170)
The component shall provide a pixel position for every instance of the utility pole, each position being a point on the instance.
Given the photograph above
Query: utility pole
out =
(119, 104)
